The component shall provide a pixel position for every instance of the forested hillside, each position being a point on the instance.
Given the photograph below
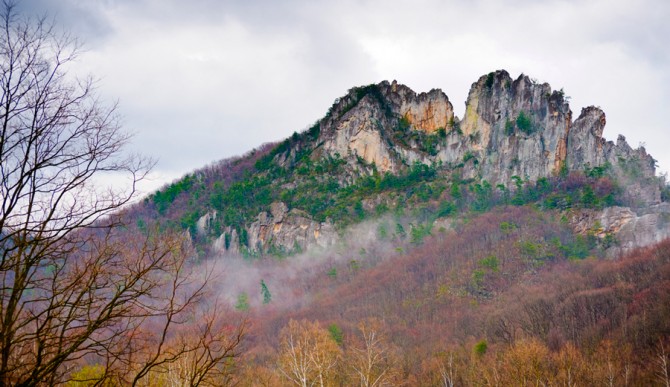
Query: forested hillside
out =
(501, 300)
(393, 244)
(390, 243)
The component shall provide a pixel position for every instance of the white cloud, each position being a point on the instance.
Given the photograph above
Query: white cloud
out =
(204, 80)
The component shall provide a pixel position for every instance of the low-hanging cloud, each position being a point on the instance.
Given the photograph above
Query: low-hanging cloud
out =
(289, 280)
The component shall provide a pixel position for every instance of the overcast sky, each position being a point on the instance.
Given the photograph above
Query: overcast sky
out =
(202, 80)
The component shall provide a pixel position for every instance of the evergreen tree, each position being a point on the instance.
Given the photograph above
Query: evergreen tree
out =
(267, 297)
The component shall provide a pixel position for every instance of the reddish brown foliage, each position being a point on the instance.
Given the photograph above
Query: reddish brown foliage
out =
(449, 293)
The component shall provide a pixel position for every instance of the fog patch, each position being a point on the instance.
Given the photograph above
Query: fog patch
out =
(294, 281)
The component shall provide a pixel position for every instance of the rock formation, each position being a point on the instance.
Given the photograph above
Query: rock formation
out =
(513, 128)
(623, 228)
(282, 231)
(362, 126)
(288, 231)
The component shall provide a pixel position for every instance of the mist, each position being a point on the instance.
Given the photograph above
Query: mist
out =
(295, 281)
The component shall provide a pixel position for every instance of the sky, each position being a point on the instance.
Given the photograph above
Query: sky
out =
(202, 80)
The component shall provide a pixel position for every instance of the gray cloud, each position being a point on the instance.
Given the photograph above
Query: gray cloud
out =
(83, 18)
(202, 80)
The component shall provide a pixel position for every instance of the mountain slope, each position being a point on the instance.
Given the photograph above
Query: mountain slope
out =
(385, 148)
(473, 245)
(496, 290)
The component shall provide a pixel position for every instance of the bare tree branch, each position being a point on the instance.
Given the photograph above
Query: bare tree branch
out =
(75, 289)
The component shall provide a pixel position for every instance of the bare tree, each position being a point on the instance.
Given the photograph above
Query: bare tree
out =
(447, 370)
(74, 288)
(372, 361)
(308, 354)
(661, 363)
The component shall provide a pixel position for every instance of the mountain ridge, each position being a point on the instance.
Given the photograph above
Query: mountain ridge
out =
(379, 143)
(514, 118)
(475, 247)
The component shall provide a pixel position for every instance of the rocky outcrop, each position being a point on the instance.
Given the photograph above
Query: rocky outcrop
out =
(362, 124)
(546, 141)
(512, 128)
(525, 129)
(228, 242)
(359, 134)
(622, 229)
(281, 231)
(635, 170)
(427, 112)
(288, 231)
(204, 223)
(585, 140)
(520, 127)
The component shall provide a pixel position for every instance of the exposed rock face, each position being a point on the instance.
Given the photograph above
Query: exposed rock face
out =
(288, 231)
(555, 142)
(585, 138)
(520, 127)
(427, 112)
(203, 224)
(512, 128)
(635, 170)
(280, 231)
(358, 134)
(629, 228)
(227, 242)
(362, 128)
(526, 129)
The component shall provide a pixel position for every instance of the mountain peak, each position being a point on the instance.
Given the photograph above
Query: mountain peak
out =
(372, 123)
(380, 143)
(512, 127)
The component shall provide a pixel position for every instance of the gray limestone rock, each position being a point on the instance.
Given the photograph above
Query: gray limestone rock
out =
(287, 231)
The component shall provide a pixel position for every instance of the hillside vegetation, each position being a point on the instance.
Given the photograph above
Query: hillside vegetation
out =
(388, 244)
(499, 301)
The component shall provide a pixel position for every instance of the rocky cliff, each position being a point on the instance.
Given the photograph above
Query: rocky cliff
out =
(288, 231)
(362, 124)
(622, 228)
(512, 129)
